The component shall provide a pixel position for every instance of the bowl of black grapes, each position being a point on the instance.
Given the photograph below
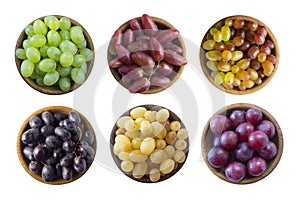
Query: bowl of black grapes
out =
(242, 143)
(56, 145)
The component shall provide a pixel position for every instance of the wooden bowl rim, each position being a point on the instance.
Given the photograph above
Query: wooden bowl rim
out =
(266, 80)
(22, 158)
(180, 69)
(271, 164)
(54, 90)
(145, 178)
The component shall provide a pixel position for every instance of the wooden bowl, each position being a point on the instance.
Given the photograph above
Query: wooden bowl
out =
(54, 90)
(236, 90)
(162, 25)
(145, 178)
(20, 145)
(208, 139)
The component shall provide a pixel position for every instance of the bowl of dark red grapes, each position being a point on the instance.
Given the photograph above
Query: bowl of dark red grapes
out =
(56, 145)
(239, 54)
(242, 143)
(146, 54)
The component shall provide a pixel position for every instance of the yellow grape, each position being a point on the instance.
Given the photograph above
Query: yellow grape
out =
(179, 156)
(158, 156)
(182, 134)
(123, 143)
(162, 115)
(268, 68)
(167, 166)
(136, 143)
(160, 144)
(130, 125)
(157, 128)
(248, 83)
(237, 55)
(253, 74)
(213, 55)
(150, 115)
(261, 57)
(124, 156)
(243, 64)
(218, 36)
(180, 145)
(229, 78)
(154, 175)
(146, 128)
(219, 78)
(171, 137)
(169, 151)
(137, 156)
(147, 146)
(242, 75)
(226, 55)
(175, 125)
(235, 68)
(226, 33)
(138, 112)
(121, 121)
(212, 65)
(140, 170)
(127, 166)
(209, 44)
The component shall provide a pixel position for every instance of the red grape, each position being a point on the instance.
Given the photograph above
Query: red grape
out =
(256, 166)
(243, 130)
(258, 140)
(267, 127)
(237, 117)
(235, 171)
(243, 151)
(269, 152)
(254, 116)
(229, 140)
(219, 124)
(218, 157)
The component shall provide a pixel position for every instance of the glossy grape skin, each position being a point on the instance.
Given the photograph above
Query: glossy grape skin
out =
(27, 68)
(35, 122)
(237, 117)
(219, 124)
(79, 164)
(89, 137)
(35, 167)
(47, 130)
(28, 153)
(48, 118)
(67, 173)
(218, 157)
(53, 141)
(74, 117)
(267, 127)
(235, 171)
(243, 130)
(269, 152)
(68, 146)
(30, 136)
(67, 160)
(40, 153)
(256, 166)
(63, 133)
(229, 140)
(243, 151)
(258, 140)
(254, 116)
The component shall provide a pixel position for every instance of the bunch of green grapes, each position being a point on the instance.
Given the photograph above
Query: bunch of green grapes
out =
(54, 53)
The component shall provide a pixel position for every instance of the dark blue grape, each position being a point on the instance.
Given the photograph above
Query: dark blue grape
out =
(68, 146)
(79, 164)
(90, 153)
(58, 153)
(40, 153)
(59, 117)
(74, 117)
(69, 125)
(52, 160)
(30, 136)
(48, 118)
(63, 133)
(47, 130)
(35, 122)
(35, 167)
(67, 173)
(48, 173)
(67, 160)
(89, 137)
(53, 141)
(28, 153)
(58, 168)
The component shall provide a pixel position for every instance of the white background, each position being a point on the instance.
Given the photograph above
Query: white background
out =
(194, 182)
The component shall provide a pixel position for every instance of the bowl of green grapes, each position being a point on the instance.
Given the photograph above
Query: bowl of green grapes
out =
(54, 54)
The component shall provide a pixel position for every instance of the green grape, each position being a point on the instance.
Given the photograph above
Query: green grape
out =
(53, 23)
(54, 53)
(43, 50)
(38, 40)
(64, 71)
(76, 35)
(66, 59)
(237, 55)
(20, 53)
(213, 30)
(40, 81)
(64, 84)
(78, 61)
(34, 75)
(68, 46)
(77, 27)
(53, 38)
(47, 19)
(27, 68)
(243, 64)
(219, 78)
(84, 68)
(218, 36)
(77, 76)
(29, 30)
(64, 34)
(65, 23)
(212, 65)
(87, 53)
(209, 44)
(39, 27)
(229, 78)
(226, 33)
(82, 45)
(51, 78)
(38, 71)
(47, 65)
(33, 54)
(214, 55)
(26, 43)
